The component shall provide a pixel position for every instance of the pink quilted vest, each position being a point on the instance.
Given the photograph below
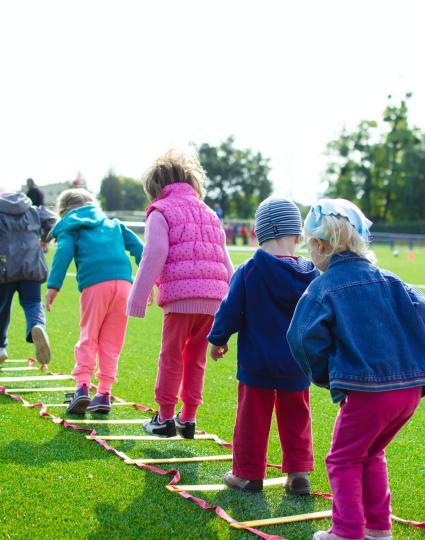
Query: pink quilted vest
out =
(195, 264)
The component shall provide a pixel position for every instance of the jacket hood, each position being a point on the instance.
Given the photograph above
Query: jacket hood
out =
(85, 216)
(14, 203)
(285, 278)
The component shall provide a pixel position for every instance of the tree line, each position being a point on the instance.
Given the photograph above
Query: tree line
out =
(237, 181)
(379, 166)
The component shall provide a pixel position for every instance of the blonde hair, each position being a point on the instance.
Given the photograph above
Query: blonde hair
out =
(73, 198)
(171, 168)
(341, 236)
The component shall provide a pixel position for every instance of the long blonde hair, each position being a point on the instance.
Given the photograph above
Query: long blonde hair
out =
(171, 168)
(341, 236)
(71, 199)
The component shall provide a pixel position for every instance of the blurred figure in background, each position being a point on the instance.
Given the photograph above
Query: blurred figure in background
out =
(34, 193)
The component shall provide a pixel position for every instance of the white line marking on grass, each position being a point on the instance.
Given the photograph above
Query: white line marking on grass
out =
(51, 389)
(192, 459)
(107, 421)
(25, 368)
(38, 378)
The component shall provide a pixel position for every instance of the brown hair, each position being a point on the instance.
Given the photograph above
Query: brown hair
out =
(73, 198)
(171, 168)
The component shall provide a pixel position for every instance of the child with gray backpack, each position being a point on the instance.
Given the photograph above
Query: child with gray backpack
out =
(24, 229)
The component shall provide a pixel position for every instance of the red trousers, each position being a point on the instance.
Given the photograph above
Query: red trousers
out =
(252, 428)
(182, 362)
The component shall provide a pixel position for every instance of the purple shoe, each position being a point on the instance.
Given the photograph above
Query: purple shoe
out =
(101, 403)
(80, 400)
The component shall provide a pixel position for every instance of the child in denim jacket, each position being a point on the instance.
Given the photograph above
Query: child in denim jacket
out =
(359, 331)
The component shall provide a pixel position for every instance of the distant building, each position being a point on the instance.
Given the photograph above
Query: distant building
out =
(52, 191)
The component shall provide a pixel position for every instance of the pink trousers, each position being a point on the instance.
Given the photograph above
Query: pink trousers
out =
(182, 363)
(356, 465)
(252, 428)
(103, 322)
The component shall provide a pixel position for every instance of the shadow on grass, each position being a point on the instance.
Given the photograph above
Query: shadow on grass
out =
(154, 513)
(62, 448)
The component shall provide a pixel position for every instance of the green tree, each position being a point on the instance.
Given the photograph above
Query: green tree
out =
(134, 197)
(111, 194)
(382, 171)
(237, 179)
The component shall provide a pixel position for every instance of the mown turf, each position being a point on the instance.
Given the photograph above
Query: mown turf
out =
(54, 484)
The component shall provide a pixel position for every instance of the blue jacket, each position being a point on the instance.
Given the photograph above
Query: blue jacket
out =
(359, 328)
(98, 246)
(259, 306)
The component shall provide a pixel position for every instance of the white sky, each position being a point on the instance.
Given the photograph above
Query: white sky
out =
(93, 84)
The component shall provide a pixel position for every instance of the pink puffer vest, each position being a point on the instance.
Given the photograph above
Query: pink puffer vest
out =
(195, 264)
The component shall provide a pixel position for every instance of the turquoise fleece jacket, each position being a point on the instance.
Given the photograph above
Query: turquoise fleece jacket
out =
(97, 244)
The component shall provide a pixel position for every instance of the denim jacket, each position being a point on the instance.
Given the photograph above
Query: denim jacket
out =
(358, 327)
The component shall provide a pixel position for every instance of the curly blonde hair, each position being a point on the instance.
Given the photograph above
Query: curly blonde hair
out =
(74, 198)
(341, 236)
(171, 168)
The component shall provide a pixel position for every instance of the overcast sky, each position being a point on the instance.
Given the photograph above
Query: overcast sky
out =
(88, 85)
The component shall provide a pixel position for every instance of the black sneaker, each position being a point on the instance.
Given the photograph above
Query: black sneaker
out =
(101, 403)
(160, 429)
(80, 400)
(235, 482)
(184, 429)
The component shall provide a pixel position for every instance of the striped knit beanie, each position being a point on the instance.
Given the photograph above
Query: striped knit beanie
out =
(275, 218)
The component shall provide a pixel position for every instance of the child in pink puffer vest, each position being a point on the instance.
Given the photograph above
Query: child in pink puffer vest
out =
(186, 257)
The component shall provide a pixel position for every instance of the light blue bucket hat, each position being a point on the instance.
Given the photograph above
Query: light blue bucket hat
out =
(336, 207)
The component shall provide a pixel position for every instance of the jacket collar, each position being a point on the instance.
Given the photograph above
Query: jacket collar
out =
(181, 188)
(345, 256)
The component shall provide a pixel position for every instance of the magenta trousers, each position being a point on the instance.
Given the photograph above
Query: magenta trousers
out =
(103, 323)
(252, 428)
(182, 362)
(356, 464)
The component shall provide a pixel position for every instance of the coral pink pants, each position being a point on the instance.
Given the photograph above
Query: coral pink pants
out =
(356, 465)
(102, 331)
(182, 363)
(252, 428)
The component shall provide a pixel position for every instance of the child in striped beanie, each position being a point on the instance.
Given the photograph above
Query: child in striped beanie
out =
(259, 306)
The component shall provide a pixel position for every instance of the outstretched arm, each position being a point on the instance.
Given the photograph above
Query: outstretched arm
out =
(64, 254)
(230, 315)
(310, 339)
(132, 243)
(154, 256)
(47, 220)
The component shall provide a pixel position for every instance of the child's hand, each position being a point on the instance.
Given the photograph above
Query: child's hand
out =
(217, 352)
(50, 297)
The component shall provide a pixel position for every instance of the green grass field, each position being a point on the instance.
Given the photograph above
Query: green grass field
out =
(55, 484)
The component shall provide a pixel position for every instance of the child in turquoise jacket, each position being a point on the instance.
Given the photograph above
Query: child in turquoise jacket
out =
(104, 277)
